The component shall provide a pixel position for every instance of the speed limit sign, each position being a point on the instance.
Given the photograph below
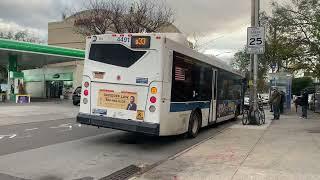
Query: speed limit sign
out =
(256, 40)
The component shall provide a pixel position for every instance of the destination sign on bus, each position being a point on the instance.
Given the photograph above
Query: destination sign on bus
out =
(140, 42)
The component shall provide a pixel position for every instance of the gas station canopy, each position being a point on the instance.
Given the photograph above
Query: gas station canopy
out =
(32, 55)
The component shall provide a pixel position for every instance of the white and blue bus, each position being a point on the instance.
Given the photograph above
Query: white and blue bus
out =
(149, 83)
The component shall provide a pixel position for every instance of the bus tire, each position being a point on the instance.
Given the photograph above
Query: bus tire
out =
(194, 124)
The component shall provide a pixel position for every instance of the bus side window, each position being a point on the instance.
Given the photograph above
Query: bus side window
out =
(191, 80)
(182, 81)
(215, 86)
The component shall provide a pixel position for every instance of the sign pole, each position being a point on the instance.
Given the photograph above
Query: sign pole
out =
(251, 103)
(255, 46)
(255, 58)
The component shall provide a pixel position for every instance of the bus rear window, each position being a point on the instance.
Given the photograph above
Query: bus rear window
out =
(114, 54)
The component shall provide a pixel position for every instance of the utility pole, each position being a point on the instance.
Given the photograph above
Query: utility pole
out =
(255, 6)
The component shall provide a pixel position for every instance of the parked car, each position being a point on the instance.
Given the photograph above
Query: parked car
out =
(264, 98)
(76, 96)
(247, 100)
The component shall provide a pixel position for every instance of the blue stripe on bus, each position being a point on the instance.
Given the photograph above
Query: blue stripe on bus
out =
(188, 106)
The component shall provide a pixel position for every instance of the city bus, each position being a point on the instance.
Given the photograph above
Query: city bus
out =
(153, 84)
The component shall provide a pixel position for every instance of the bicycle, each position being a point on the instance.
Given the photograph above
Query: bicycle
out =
(262, 115)
(245, 115)
(259, 115)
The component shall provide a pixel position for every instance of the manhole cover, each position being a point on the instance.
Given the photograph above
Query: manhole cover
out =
(122, 174)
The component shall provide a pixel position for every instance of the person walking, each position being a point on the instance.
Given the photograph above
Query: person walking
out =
(304, 104)
(275, 101)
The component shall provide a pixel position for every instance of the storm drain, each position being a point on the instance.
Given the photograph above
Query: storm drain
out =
(122, 174)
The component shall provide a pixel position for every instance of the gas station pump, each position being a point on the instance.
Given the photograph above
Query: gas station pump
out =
(16, 85)
(15, 90)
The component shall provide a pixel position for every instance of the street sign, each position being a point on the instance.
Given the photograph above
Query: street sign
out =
(256, 40)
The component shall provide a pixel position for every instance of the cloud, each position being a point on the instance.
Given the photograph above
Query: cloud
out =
(13, 27)
(31, 13)
(207, 16)
(210, 19)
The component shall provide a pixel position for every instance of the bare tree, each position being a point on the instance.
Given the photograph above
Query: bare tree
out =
(101, 16)
(23, 35)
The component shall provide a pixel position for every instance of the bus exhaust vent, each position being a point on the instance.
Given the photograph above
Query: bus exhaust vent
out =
(122, 174)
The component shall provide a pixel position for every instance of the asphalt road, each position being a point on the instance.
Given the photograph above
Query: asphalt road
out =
(64, 149)
(21, 137)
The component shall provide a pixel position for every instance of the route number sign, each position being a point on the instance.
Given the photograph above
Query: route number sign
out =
(256, 40)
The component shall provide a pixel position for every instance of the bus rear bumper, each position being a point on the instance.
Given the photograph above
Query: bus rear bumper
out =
(121, 124)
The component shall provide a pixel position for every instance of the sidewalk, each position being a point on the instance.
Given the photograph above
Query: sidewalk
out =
(287, 149)
(11, 113)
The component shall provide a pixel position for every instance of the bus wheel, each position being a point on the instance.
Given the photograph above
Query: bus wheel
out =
(194, 125)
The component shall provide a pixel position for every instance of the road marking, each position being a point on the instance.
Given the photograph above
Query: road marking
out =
(13, 135)
(31, 129)
(68, 125)
(8, 135)
(62, 126)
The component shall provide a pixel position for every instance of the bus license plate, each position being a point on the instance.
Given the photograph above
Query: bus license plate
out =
(100, 111)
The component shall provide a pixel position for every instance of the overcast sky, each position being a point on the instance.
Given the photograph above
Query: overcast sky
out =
(221, 23)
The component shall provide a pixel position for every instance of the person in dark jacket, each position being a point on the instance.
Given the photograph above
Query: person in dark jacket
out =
(282, 100)
(275, 101)
(304, 104)
(297, 102)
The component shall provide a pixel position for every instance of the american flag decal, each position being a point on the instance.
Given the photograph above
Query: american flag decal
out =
(179, 74)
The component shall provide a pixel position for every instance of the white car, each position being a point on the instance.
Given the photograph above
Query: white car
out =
(264, 98)
(247, 100)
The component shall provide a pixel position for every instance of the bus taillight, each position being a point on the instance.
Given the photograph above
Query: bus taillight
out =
(86, 92)
(86, 84)
(153, 99)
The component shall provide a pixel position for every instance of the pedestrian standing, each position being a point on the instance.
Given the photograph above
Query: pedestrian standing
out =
(271, 108)
(304, 104)
(282, 100)
(275, 101)
(297, 102)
